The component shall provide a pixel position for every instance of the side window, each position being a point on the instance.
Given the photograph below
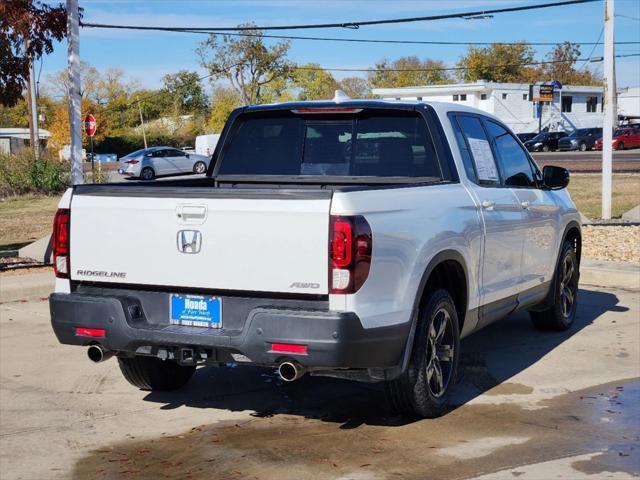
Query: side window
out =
(514, 162)
(177, 153)
(476, 151)
(159, 154)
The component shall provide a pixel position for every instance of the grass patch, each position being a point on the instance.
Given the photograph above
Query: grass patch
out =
(26, 218)
(586, 191)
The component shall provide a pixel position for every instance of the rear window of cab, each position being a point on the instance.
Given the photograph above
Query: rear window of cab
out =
(362, 143)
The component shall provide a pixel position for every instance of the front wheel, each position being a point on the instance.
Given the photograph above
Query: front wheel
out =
(150, 373)
(199, 167)
(583, 147)
(562, 313)
(424, 388)
(620, 146)
(545, 148)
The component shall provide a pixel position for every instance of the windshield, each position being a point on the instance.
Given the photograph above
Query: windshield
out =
(539, 137)
(582, 132)
(386, 144)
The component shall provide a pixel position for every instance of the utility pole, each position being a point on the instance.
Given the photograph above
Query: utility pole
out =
(610, 113)
(144, 135)
(33, 113)
(31, 106)
(75, 114)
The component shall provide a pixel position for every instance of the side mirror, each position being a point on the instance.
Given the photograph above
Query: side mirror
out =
(555, 178)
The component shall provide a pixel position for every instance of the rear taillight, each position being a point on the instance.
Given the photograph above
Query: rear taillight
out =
(132, 162)
(61, 243)
(350, 246)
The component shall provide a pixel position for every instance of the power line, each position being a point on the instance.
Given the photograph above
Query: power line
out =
(443, 69)
(342, 39)
(355, 24)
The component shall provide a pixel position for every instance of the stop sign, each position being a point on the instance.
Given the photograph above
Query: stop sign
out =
(90, 125)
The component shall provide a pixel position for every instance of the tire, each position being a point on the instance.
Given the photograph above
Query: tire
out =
(147, 173)
(561, 315)
(582, 147)
(545, 148)
(150, 373)
(199, 167)
(417, 391)
(620, 146)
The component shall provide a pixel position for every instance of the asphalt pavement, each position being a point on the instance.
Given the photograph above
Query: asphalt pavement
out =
(528, 405)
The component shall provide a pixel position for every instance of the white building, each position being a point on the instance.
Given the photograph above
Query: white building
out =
(572, 107)
(14, 140)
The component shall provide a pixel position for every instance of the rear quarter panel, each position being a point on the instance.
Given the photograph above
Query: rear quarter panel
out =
(410, 226)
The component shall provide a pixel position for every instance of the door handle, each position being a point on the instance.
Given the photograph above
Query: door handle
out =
(525, 205)
(192, 213)
(488, 204)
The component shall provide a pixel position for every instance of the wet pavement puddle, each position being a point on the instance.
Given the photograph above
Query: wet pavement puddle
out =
(349, 433)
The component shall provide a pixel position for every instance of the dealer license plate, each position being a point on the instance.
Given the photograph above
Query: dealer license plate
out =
(196, 311)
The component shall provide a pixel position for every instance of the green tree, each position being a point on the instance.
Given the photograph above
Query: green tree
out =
(407, 72)
(496, 63)
(246, 63)
(311, 82)
(223, 101)
(186, 91)
(355, 87)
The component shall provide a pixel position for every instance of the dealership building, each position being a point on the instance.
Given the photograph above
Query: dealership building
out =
(573, 106)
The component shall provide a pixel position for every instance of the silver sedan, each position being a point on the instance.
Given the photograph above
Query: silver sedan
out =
(152, 162)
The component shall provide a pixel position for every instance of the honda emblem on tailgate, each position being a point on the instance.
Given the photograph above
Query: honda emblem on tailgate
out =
(189, 241)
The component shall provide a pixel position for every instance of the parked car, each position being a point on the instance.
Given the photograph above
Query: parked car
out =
(545, 142)
(354, 239)
(524, 137)
(622, 138)
(103, 157)
(150, 163)
(581, 139)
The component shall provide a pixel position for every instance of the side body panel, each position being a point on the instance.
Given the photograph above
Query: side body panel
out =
(410, 226)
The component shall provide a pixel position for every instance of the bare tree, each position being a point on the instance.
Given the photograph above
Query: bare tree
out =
(246, 63)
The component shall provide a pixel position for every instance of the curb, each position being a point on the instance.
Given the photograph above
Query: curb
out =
(26, 287)
(625, 275)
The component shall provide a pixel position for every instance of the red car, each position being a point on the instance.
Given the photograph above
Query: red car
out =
(622, 138)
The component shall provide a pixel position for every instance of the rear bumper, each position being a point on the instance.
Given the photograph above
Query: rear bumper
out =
(136, 324)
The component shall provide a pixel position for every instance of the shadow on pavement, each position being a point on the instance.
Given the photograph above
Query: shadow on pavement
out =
(489, 359)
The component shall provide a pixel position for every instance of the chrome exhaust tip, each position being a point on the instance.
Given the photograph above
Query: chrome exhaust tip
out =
(291, 371)
(97, 353)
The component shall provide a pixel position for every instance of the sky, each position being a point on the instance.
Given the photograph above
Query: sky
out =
(147, 56)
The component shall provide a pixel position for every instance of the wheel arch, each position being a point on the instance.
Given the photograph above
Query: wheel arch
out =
(447, 270)
(572, 233)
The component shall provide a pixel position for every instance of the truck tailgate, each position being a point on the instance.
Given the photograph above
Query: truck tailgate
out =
(203, 238)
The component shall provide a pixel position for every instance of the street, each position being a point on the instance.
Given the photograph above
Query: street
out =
(529, 405)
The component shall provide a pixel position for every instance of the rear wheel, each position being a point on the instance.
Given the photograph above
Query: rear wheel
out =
(425, 387)
(147, 173)
(620, 146)
(545, 148)
(583, 147)
(563, 312)
(199, 167)
(150, 373)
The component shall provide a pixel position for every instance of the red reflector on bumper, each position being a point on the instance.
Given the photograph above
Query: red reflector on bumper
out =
(90, 332)
(289, 348)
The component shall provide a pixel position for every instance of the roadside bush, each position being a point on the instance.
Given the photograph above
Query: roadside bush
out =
(125, 144)
(20, 174)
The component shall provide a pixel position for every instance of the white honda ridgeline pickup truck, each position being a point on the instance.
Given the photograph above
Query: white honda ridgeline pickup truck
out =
(353, 239)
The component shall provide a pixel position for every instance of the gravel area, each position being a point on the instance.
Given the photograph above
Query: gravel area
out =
(618, 244)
